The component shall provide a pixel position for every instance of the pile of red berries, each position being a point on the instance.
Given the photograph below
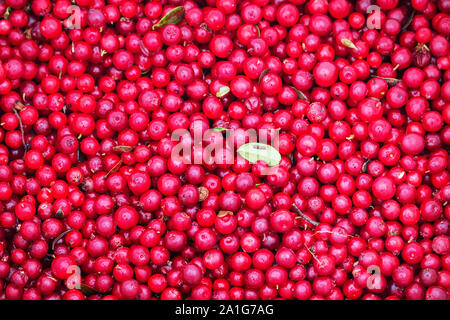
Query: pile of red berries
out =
(351, 202)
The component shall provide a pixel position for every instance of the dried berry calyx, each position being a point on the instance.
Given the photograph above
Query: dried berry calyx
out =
(224, 213)
(203, 193)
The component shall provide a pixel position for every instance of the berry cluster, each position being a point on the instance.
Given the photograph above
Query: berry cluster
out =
(347, 198)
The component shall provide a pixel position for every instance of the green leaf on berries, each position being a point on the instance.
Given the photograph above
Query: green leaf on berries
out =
(348, 43)
(219, 129)
(174, 16)
(255, 151)
(222, 91)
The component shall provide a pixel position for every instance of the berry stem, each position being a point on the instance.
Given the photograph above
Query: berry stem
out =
(314, 223)
(22, 132)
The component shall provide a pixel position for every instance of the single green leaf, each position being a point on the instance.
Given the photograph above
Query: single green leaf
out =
(222, 91)
(255, 151)
(348, 43)
(219, 129)
(174, 16)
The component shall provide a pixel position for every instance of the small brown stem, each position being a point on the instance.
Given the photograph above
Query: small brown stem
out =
(62, 234)
(20, 126)
(313, 255)
(331, 232)
(52, 278)
(314, 223)
(123, 148)
(114, 169)
(350, 137)
(19, 106)
(410, 19)
(365, 165)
